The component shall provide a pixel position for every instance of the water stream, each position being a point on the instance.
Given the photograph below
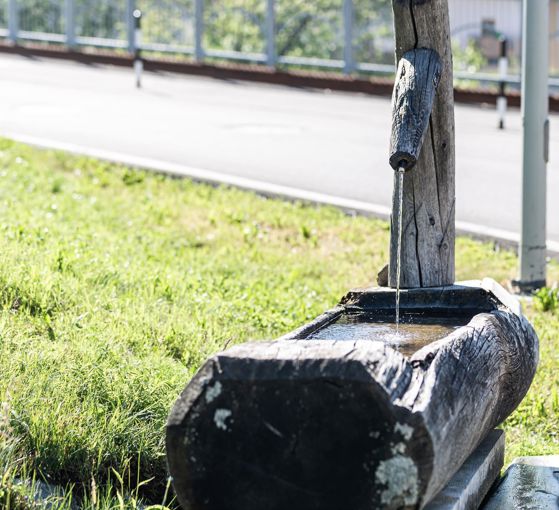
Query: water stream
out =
(405, 331)
(400, 187)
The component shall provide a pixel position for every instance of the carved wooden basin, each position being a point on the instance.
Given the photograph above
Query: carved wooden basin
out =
(307, 422)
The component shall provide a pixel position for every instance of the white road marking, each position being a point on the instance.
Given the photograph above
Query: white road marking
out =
(504, 237)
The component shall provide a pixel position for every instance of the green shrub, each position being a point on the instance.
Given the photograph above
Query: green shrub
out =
(547, 299)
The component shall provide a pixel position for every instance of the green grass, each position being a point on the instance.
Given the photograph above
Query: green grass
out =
(115, 285)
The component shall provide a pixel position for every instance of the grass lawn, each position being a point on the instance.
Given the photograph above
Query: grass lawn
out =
(115, 285)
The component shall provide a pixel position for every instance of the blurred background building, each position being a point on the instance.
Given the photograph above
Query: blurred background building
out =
(480, 22)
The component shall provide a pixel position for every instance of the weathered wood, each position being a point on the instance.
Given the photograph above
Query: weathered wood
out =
(417, 78)
(429, 197)
(325, 425)
(382, 277)
(471, 483)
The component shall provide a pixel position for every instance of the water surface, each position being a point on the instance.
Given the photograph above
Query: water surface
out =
(408, 337)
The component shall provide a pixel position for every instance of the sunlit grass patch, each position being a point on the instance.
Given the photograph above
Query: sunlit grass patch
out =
(116, 284)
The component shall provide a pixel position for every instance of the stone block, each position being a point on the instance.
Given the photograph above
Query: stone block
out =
(530, 483)
(469, 486)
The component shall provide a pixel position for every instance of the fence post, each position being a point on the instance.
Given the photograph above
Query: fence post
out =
(271, 33)
(138, 62)
(198, 30)
(70, 22)
(535, 104)
(349, 63)
(503, 72)
(131, 25)
(13, 20)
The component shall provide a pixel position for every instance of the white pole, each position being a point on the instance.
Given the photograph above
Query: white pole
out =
(535, 105)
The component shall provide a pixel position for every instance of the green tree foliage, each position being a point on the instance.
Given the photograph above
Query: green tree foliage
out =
(469, 58)
(374, 31)
(41, 15)
(101, 18)
(309, 29)
(94, 18)
(237, 25)
(303, 29)
(168, 21)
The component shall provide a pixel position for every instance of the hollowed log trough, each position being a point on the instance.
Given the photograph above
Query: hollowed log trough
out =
(303, 424)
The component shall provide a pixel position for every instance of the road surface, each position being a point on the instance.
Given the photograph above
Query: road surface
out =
(332, 144)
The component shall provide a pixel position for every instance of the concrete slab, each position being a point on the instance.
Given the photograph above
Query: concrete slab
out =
(472, 482)
(530, 483)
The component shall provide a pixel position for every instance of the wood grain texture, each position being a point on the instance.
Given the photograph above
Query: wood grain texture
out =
(470, 485)
(417, 78)
(324, 425)
(429, 189)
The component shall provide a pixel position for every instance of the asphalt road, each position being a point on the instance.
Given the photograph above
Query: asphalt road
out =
(333, 144)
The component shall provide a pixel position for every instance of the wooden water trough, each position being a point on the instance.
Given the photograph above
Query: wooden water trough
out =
(308, 423)
(342, 414)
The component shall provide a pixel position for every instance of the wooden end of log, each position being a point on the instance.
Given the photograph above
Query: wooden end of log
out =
(324, 425)
(298, 425)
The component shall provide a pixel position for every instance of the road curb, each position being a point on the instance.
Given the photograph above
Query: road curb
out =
(502, 238)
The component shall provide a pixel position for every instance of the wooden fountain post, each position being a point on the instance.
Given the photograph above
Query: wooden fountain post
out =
(428, 232)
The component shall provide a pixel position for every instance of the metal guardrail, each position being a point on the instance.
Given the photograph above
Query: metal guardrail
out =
(74, 23)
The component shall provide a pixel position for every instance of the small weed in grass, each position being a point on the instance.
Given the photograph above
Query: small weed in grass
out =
(547, 299)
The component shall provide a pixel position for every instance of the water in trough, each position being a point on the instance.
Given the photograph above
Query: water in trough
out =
(411, 334)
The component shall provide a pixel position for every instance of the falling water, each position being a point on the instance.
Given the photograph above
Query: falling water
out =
(400, 184)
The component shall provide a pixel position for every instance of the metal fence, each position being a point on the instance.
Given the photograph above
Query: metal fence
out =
(349, 35)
